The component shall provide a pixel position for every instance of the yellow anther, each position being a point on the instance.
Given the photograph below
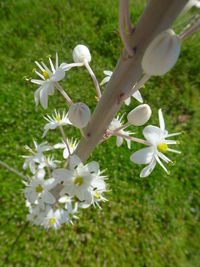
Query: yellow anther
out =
(97, 195)
(52, 221)
(71, 145)
(78, 180)
(58, 118)
(162, 148)
(46, 75)
(39, 189)
(172, 163)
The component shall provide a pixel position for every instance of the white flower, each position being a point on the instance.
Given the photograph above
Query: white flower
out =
(162, 53)
(139, 115)
(81, 54)
(53, 219)
(97, 197)
(48, 81)
(158, 146)
(72, 144)
(36, 215)
(70, 214)
(55, 120)
(38, 191)
(115, 124)
(48, 162)
(137, 95)
(80, 180)
(79, 115)
(37, 155)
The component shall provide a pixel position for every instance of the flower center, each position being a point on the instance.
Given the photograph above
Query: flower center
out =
(78, 180)
(97, 195)
(52, 221)
(39, 189)
(46, 75)
(162, 148)
(58, 118)
(72, 145)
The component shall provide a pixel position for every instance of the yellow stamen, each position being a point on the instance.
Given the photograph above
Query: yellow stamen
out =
(52, 221)
(78, 180)
(58, 118)
(46, 75)
(162, 148)
(72, 145)
(97, 195)
(39, 189)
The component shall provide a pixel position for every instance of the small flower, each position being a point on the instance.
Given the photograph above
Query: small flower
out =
(139, 115)
(36, 215)
(115, 124)
(53, 218)
(79, 115)
(80, 180)
(48, 162)
(158, 146)
(38, 191)
(81, 54)
(48, 81)
(55, 120)
(162, 53)
(36, 157)
(137, 95)
(72, 144)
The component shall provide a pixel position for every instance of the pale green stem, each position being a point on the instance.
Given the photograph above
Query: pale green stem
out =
(6, 166)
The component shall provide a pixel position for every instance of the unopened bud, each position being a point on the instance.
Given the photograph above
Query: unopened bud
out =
(79, 115)
(81, 53)
(162, 53)
(139, 115)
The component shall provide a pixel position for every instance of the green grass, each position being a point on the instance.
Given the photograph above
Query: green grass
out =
(150, 222)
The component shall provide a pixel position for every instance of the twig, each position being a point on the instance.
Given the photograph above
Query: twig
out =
(93, 78)
(6, 166)
(60, 89)
(137, 140)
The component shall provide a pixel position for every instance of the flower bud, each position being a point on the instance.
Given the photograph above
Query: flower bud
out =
(81, 53)
(162, 53)
(139, 115)
(79, 115)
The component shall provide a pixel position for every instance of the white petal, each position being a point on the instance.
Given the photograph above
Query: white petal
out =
(62, 174)
(52, 66)
(137, 95)
(161, 120)
(48, 198)
(127, 101)
(59, 74)
(108, 72)
(105, 80)
(119, 141)
(65, 153)
(74, 161)
(161, 164)
(93, 166)
(147, 170)
(40, 82)
(153, 134)
(56, 60)
(44, 98)
(143, 156)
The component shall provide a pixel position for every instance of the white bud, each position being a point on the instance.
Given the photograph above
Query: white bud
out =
(162, 53)
(81, 53)
(139, 115)
(79, 115)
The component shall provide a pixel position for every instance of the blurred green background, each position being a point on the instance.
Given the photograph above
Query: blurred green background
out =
(147, 222)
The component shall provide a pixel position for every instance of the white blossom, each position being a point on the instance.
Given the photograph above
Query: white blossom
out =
(137, 95)
(36, 155)
(47, 81)
(115, 124)
(53, 218)
(55, 121)
(158, 146)
(38, 190)
(72, 145)
(80, 180)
